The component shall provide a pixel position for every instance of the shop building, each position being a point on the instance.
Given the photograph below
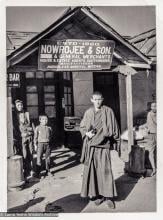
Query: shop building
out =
(67, 93)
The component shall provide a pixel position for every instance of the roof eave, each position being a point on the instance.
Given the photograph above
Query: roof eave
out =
(116, 35)
(43, 33)
(64, 18)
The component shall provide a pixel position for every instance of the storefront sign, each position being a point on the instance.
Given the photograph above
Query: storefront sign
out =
(13, 80)
(71, 55)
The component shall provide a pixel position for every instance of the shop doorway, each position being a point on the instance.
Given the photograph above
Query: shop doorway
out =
(47, 93)
(107, 84)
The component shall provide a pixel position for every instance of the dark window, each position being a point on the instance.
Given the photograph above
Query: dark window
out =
(49, 75)
(67, 75)
(39, 74)
(50, 101)
(68, 101)
(32, 101)
(30, 75)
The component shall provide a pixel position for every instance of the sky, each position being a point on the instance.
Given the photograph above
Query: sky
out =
(126, 20)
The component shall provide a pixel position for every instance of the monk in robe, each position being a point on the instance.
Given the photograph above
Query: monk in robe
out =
(100, 134)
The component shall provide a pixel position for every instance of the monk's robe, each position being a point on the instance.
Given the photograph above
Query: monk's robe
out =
(97, 175)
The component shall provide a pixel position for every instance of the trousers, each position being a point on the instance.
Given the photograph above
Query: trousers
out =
(43, 148)
(27, 153)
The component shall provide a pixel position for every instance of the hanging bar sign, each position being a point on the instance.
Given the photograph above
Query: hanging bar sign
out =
(74, 55)
(13, 80)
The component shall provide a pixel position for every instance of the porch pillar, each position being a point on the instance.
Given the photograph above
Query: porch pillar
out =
(128, 72)
(129, 110)
(10, 150)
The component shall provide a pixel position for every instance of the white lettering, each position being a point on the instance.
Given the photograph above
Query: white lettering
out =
(53, 49)
(103, 50)
(14, 77)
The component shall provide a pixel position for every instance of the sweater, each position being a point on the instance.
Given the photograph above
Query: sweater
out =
(42, 134)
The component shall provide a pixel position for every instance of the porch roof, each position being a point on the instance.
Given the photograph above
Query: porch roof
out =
(82, 23)
(146, 43)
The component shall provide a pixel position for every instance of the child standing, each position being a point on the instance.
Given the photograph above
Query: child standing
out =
(152, 133)
(42, 138)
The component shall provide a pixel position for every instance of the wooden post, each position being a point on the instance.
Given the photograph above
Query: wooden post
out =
(128, 72)
(10, 150)
(129, 110)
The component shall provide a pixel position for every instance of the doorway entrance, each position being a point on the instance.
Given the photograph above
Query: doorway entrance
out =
(107, 84)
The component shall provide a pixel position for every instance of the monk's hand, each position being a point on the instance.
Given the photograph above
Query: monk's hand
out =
(90, 134)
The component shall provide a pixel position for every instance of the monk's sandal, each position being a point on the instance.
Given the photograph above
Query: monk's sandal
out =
(97, 202)
(110, 204)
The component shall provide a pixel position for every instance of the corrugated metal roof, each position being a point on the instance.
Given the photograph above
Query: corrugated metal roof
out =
(144, 35)
(16, 39)
(146, 43)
